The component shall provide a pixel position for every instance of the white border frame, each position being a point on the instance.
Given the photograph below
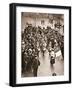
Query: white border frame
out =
(27, 80)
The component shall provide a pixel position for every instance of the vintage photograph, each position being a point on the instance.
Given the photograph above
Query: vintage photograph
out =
(42, 44)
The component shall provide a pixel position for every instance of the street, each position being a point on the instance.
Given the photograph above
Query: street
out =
(45, 68)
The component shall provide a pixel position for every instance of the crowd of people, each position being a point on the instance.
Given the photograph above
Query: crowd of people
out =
(35, 40)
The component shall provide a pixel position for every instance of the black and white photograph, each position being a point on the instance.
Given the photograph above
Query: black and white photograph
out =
(42, 39)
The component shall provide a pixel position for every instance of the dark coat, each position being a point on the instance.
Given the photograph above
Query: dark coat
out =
(36, 63)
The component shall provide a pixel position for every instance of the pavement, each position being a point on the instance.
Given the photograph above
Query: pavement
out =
(45, 68)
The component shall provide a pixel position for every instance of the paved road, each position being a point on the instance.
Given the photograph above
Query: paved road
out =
(45, 69)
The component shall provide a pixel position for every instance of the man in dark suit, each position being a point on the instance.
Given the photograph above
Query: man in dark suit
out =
(35, 65)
